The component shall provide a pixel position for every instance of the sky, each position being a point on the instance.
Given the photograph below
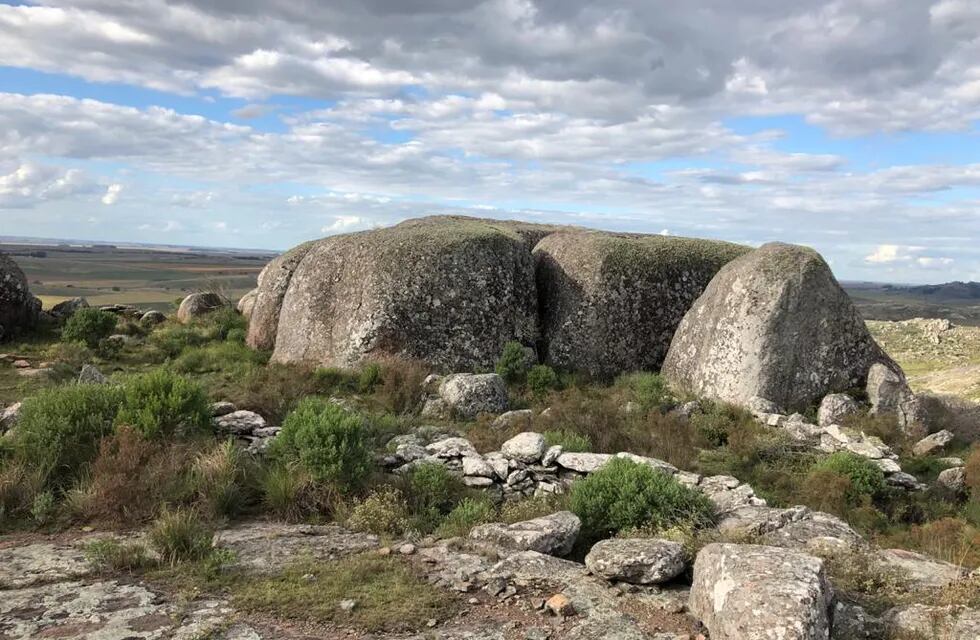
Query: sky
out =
(850, 126)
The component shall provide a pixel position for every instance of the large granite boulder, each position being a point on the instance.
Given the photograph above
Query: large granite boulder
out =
(611, 302)
(637, 560)
(19, 310)
(750, 592)
(776, 324)
(554, 534)
(449, 291)
(197, 305)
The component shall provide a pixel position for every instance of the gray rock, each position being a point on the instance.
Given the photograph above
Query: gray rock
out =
(469, 395)
(583, 462)
(888, 466)
(554, 534)
(835, 407)
(222, 408)
(659, 465)
(239, 422)
(851, 622)
(478, 467)
(902, 480)
(887, 389)
(933, 443)
(828, 530)
(527, 447)
(919, 571)
(952, 479)
(65, 309)
(775, 324)
(750, 520)
(446, 290)
(749, 592)
(452, 447)
(761, 406)
(270, 547)
(611, 302)
(19, 310)
(152, 318)
(247, 303)
(636, 560)
(923, 621)
(551, 455)
(9, 417)
(435, 408)
(90, 374)
(510, 419)
(199, 304)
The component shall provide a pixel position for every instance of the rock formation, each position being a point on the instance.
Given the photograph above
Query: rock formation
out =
(197, 305)
(19, 310)
(611, 302)
(773, 323)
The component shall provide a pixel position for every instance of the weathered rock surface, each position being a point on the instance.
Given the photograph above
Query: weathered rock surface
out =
(469, 394)
(449, 291)
(9, 417)
(239, 422)
(266, 547)
(887, 389)
(834, 408)
(918, 570)
(933, 443)
(952, 479)
(636, 560)
(923, 621)
(67, 308)
(554, 534)
(527, 447)
(197, 305)
(773, 323)
(19, 310)
(753, 592)
(247, 303)
(152, 318)
(611, 302)
(90, 374)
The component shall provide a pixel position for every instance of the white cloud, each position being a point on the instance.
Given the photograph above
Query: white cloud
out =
(343, 223)
(112, 193)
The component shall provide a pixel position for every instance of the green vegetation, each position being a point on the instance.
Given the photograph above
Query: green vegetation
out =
(329, 441)
(568, 441)
(159, 403)
(466, 515)
(541, 379)
(181, 535)
(388, 596)
(88, 326)
(624, 495)
(112, 555)
(512, 365)
(865, 478)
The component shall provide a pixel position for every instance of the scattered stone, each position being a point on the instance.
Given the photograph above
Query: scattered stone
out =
(636, 560)
(197, 305)
(469, 394)
(554, 534)
(348, 605)
(527, 447)
(933, 443)
(219, 409)
(21, 364)
(90, 374)
(744, 592)
(835, 407)
(773, 323)
(239, 422)
(407, 549)
(152, 318)
(9, 417)
(953, 479)
(511, 419)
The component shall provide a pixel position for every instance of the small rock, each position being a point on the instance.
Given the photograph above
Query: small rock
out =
(510, 419)
(527, 447)
(240, 422)
(759, 405)
(219, 409)
(537, 633)
(835, 407)
(904, 480)
(407, 549)
(348, 605)
(933, 444)
(22, 364)
(551, 455)
(197, 305)
(554, 534)
(477, 466)
(152, 318)
(90, 374)
(470, 394)
(952, 479)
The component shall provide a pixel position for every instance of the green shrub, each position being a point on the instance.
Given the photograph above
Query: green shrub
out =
(290, 493)
(383, 512)
(170, 340)
(569, 442)
(512, 365)
(181, 535)
(160, 403)
(541, 379)
(719, 421)
(434, 492)
(469, 513)
(110, 348)
(220, 356)
(624, 495)
(649, 390)
(219, 479)
(60, 428)
(73, 354)
(369, 378)
(328, 441)
(236, 336)
(88, 325)
(331, 380)
(44, 508)
(867, 478)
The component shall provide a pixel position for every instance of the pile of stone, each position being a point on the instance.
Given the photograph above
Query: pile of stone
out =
(526, 466)
(247, 427)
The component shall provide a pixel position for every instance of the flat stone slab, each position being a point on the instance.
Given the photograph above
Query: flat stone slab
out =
(41, 562)
(268, 546)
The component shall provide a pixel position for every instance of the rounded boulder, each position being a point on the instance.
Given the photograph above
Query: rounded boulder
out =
(19, 310)
(197, 305)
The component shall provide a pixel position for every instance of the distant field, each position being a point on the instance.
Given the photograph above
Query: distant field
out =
(148, 278)
(889, 302)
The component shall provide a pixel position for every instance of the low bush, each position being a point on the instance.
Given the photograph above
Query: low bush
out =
(512, 365)
(162, 403)
(649, 390)
(883, 426)
(60, 428)
(433, 493)
(331, 380)
(330, 442)
(88, 326)
(276, 389)
(369, 378)
(568, 441)
(72, 354)
(220, 480)
(401, 385)
(290, 493)
(44, 508)
(181, 535)
(112, 555)
(541, 379)
(866, 478)
(231, 357)
(719, 421)
(469, 513)
(383, 512)
(624, 495)
(827, 490)
(20, 485)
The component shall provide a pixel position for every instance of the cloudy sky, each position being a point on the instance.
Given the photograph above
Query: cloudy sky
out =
(850, 126)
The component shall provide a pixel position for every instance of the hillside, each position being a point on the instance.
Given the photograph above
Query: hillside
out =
(958, 302)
